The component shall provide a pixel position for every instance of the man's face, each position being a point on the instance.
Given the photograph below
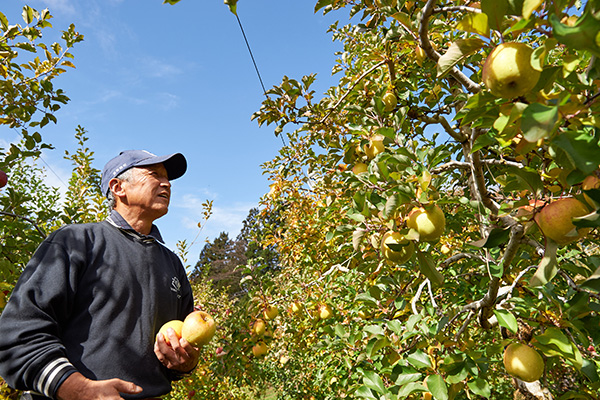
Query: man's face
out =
(148, 191)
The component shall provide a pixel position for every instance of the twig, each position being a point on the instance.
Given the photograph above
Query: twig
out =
(456, 8)
(367, 72)
(413, 302)
(434, 55)
(37, 227)
(575, 287)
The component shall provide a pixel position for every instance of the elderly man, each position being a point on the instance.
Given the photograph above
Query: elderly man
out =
(82, 321)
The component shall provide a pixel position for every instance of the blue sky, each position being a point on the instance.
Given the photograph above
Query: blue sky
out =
(179, 78)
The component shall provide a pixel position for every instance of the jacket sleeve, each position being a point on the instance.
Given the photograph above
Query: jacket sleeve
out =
(32, 356)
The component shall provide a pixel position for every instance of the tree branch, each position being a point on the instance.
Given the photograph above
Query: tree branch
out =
(37, 227)
(434, 55)
(360, 78)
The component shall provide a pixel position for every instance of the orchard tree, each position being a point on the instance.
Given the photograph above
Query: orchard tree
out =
(439, 205)
(28, 98)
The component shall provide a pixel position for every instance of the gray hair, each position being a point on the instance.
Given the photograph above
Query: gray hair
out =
(123, 176)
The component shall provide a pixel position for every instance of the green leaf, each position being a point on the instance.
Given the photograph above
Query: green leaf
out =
(322, 3)
(357, 237)
(480, 387)
(365, 393)
(27, 15)
(407, 375)
(495, 10)
(374, 381)
(437, 387)
(555, 343)
(457, 51)
(581, 36)
(592, 282)
(232, 4)
(507, 320)
(419, 359)
(171, 1)
(427, 267)
(582, 147)
(548, 266)
(538, 121)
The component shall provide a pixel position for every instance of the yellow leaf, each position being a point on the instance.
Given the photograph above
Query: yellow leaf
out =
(529, 6)
(475, 23)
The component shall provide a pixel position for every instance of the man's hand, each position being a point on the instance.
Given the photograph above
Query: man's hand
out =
(78, 387)
(179, 356)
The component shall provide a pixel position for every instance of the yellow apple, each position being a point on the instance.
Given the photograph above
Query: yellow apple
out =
(198, 328)
(296, 307)
(325, 311)
(523, 362)
(284, 359)
(396, 255)
(259, 349)
(429, 222)
(390, 101)
(270, 312)
(259, 327)
(176, 325)
(375, 146)
(555, 220)
(508, 72)
(359, 168)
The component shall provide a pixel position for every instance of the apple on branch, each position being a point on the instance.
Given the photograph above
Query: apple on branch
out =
(507, 71)
(395, 248)
(523, 362)
(259, 349)
(555, 220)
(270, 312)
(375, 146)
(3, 179)
(429, 222)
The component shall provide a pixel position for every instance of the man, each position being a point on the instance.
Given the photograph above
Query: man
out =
(82, 321)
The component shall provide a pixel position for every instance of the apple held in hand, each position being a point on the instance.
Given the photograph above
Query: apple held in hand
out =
(176, 325)
(508, 72)
(523, 362)
(198, 328)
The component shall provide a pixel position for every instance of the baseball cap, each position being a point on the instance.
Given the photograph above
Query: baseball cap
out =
(175, 164)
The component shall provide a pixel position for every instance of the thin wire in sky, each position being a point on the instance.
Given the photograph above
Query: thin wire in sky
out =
(254, 62)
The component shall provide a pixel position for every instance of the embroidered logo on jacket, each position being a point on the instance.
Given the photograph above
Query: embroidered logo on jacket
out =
(176, 286)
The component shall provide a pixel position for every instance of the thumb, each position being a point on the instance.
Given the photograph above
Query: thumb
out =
(126, 387)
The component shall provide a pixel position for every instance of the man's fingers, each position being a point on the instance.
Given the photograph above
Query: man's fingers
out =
(126, 387)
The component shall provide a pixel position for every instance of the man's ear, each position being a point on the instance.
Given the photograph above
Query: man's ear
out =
(116, 186)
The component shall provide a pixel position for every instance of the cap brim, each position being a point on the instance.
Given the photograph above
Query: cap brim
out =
(175, 164)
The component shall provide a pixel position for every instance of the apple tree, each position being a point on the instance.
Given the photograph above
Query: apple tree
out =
(439, 204)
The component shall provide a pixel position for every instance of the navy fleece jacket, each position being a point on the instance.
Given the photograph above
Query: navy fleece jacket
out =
(92, 299)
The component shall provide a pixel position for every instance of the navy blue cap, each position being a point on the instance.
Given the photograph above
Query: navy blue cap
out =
(175, 164)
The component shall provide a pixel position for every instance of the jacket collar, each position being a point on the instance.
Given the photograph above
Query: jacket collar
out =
(117, 220)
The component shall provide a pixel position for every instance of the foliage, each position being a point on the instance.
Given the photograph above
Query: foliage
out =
(27, 69)
(438, 323)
